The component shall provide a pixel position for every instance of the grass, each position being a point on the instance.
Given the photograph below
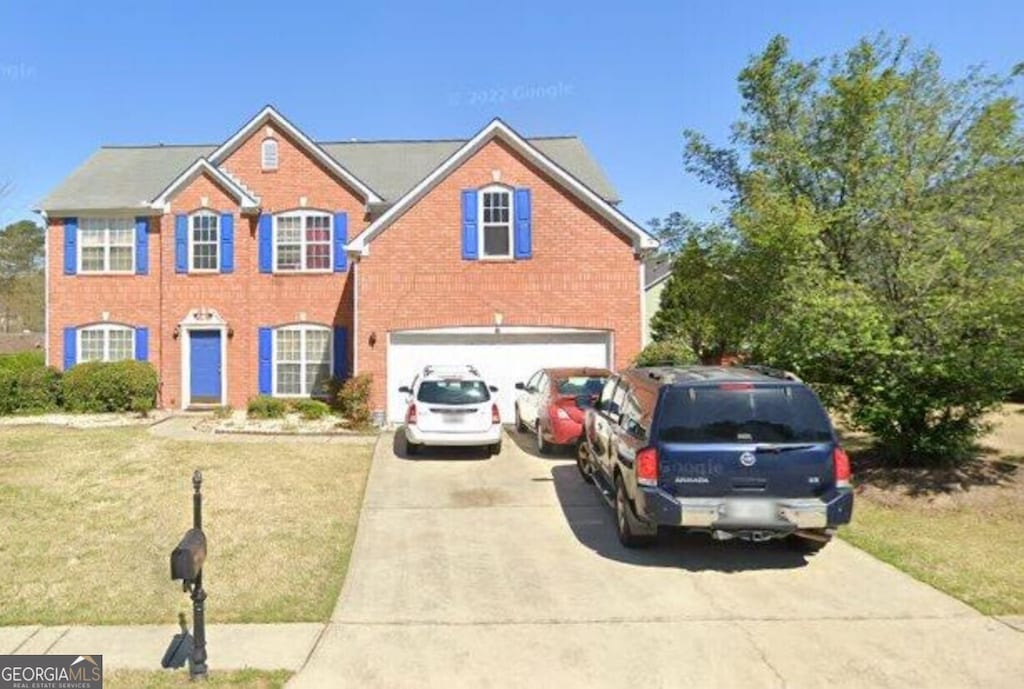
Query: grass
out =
(960, 530)
(976, 557)
(88, 520)
(242, 679)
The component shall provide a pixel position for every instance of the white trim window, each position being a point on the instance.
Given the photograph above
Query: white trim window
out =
(302, 360)
(106, 245)
(303, 242)
(269, 154)
(496, 223)
(203, 242)
(106, 342)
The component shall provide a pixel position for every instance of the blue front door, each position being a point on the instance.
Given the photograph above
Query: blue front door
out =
(204, 372)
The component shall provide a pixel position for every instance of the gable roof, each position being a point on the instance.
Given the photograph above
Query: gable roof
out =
(131, 177)
(642, 240)
(658, 268)
(244, 197)
(269, 115)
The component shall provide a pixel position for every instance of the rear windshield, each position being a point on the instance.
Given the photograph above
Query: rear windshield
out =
(453, 392)
(580, 385)
(781, 414)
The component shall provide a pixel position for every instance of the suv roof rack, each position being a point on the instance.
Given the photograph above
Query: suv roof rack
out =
(771, 371)
(431, 369)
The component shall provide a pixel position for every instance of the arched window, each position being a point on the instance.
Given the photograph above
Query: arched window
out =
(302, 360)
(269, 154)
(204, 242)
(495, 222)
(106, 342)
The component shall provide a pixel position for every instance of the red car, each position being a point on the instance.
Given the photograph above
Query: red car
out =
(552, 403)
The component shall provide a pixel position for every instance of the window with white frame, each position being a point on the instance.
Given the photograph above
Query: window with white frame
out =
(302, 360)
(106, 343)
(203, 242)
(106, 245)
(496, 222)
(269, 154)
(302, 241)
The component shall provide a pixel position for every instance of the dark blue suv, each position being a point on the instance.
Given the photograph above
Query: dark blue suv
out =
(730, 451)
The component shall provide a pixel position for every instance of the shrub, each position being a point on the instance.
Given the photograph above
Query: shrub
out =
(20, 361)
(266, 407)
(117, 386)
(223, 412)
(669, 352)
(311, 410)
(354, 399)
(29, 389)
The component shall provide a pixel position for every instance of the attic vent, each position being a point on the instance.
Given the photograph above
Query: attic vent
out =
(269, 154)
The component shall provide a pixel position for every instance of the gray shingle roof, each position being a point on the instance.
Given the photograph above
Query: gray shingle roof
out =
(658, 268)
(131, 176)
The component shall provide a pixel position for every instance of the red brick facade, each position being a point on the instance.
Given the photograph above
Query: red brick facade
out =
(413, 277)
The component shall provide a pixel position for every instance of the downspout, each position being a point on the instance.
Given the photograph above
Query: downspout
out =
(160, 306)
(46, 287)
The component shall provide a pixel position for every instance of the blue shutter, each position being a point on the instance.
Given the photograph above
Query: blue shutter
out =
(524, 224)
(142, 246)
(227, 243)
(340, 240)
(142, 344)
(265, 363)
(470, 238)
(340, 353)
(266, 238)
(70, 345)
(181, 243)
(70, 246)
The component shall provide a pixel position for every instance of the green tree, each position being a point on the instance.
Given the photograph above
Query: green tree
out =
(885, 201)
(21, 248)
(21, 276)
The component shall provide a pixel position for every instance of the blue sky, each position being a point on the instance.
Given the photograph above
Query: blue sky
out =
(627, 77)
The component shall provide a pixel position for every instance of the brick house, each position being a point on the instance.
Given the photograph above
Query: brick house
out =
(269, 263)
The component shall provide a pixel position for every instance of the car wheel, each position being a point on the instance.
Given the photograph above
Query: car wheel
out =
(411, 449)
(543, 446)
(583, 461)
(495, 449)
(626, 522)
(520, 426)
(808, 545)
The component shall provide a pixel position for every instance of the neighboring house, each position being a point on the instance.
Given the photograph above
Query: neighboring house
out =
(269, 263)
(658, 269)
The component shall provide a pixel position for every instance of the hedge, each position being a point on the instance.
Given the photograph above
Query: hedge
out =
(32, 390)
(110, 387)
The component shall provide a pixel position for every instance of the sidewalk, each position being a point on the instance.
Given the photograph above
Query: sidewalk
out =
(140, 647)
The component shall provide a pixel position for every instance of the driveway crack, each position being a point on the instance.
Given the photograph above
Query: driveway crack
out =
(761, 654)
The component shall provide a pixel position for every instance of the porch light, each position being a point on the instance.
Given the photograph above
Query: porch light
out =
(499, 318)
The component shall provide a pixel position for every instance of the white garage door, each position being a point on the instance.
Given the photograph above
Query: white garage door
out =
(503, 359)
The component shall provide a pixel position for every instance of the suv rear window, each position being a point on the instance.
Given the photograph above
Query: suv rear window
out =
(453, 392)
(742, 414)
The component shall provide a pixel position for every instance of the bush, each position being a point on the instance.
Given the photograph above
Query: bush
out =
(667, 352)
(29, 389)
(266, 407)
(20, 361)
(311, 410)
(223, 412)
(97, 387)
(354, 399)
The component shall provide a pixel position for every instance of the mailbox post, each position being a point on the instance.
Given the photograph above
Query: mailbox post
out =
(187, 565)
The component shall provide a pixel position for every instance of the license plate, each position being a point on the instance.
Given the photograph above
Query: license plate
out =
(452, 418)
(751, 510)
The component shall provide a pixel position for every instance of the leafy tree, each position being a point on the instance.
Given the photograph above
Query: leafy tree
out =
(885, 203)
(21, 248)
(673, 231)
(21, 275)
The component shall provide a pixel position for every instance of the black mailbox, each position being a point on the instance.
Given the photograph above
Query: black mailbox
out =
(187, 559)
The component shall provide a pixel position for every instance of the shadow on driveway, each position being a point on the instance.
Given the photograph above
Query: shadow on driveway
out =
(593, 523)
(527, 442)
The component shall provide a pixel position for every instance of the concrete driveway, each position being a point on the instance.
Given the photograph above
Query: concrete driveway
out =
(505, 572)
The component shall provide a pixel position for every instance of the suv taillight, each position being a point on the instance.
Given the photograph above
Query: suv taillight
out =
(841, 461)
(647, 466)
(495, 416)
(556, 412)
(410, 416)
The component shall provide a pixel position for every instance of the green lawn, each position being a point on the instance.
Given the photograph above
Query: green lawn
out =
(88, 520)
(168, 679)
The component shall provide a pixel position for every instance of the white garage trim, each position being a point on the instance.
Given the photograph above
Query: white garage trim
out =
(503, 355)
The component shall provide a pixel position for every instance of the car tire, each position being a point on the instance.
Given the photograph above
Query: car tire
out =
(808, 545)
(412, 449)
(494, 449)
(583, 461)
(543, 446)
(626, 520)
(520, 426)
